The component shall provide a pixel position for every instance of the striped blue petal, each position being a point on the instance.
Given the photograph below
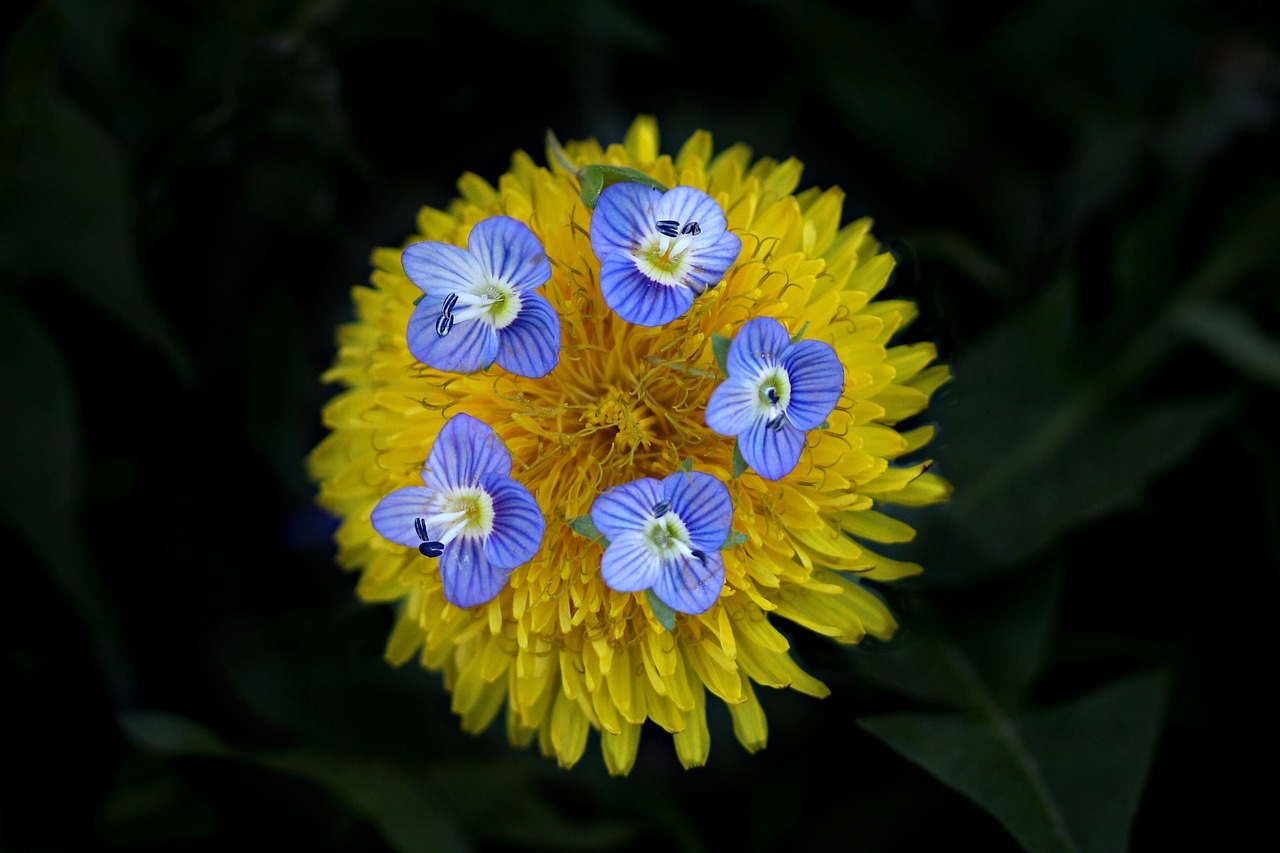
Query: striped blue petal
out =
(530, 345)
(623, 218)
(689, 584)
(637, 298)
(394, 515)
(440, 269)
(467, 575)
(771, 453)
(464, 451)
(709, 262)
(817, 378)
(517, 523)
(624, 509)
(759, 343)
(733, 406)
(628, 565)
(467, 347)
(507, 250)
(702, 502)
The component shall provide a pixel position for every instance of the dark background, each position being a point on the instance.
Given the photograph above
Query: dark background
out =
(1084, 201)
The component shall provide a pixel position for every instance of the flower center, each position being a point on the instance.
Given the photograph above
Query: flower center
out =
(495, 302)
(667, 537)
(630, 420)
(466, 511)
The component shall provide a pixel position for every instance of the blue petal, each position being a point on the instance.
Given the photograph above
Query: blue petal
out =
(624, 509)
(817, 378)
(530, 346)
(622, 218)
(467, 575)
(732, 406)
(467, 347)
(688, 204)
(440, 269)
(759, 343)
(464, 451)
(687, 585)
(771, 453)
(508, 251)
(637, 298)
(628, 565)
(517, 523)
(708, 263)
(703, 504)
(394, 515)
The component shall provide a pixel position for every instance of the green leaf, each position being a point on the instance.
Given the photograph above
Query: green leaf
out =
(42, 453)
(170, 734)
(661, 611)
(685, 465)
(66, 203)
(735, 539)
(404, 807)
(720, 349)
(1232, 335)
(798, 335)
(1063, 780)
(585, 527)
(596, 177)
(739, 465)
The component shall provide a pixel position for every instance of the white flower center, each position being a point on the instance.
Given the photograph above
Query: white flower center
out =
(667, 537)
(466, 511)
(495, 302)
(773, 392)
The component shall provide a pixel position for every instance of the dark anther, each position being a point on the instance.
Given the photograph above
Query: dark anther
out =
(772, 394)
(661, 509)
(444, 323)
(691, 228)
(669, 227)
(450, 301)
(700, 555)
(429, 547)
(776, 423)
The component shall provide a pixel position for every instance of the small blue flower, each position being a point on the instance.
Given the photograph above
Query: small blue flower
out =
(478, 304)
(776, 391)
(470, 514)
(658, 250)
(666, 536)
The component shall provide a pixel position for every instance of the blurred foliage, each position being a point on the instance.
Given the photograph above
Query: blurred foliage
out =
(1084, 201)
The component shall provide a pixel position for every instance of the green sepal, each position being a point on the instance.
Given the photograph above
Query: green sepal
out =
(800, 333)
(686, 465)
(720, 349)
(419, 299)
(596, 177)
(739, 464)
(735, 539)
(586, 528)
(662, 611)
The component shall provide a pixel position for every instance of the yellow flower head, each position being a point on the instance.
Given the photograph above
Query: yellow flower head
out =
(562, 652)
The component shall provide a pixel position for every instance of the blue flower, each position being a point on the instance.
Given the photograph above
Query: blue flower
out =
(776, 391)
(478, 304)
(666, 536)
(658, 250)
(470, 514)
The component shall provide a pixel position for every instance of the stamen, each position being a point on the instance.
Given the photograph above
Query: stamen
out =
(772, 394)
(661, 509)
(691, 228)
(444, 324)
(450, 301)
(429, 547)
(775, 424)
(702, 557)
(669, 227)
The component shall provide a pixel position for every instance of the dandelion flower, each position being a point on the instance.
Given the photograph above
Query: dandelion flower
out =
(576, 647)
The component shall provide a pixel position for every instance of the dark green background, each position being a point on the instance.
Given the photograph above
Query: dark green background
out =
(1083, 198)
